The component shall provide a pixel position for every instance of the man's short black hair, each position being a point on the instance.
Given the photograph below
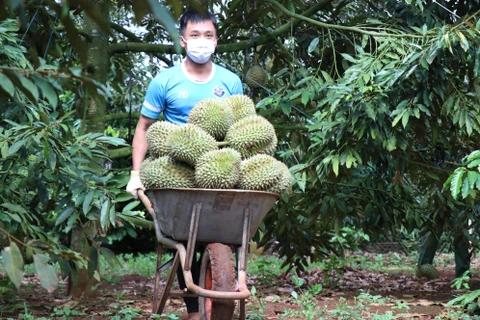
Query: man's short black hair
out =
(194, 16)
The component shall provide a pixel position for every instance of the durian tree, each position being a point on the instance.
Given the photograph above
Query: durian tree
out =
(57, 189)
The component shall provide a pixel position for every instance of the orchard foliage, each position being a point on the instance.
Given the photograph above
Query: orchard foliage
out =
(376, 105)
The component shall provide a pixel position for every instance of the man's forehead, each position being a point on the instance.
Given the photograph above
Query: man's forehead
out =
(206, 25)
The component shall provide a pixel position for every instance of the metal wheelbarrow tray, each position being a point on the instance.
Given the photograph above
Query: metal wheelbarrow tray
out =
(214, 217)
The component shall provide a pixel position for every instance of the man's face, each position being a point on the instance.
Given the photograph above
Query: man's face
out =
(198, 30)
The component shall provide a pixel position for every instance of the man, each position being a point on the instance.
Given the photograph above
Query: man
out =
(176, 91)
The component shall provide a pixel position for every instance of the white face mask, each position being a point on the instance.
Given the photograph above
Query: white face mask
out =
(200, 50)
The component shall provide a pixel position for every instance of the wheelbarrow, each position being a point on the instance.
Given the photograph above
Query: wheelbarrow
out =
(222, 220)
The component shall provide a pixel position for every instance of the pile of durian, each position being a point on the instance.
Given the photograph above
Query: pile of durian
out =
(223, 145)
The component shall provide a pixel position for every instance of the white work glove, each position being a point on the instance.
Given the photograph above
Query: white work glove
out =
(135, 184)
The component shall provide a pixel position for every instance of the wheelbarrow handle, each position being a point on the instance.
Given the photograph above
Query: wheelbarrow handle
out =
(146, 202)
(160, 237)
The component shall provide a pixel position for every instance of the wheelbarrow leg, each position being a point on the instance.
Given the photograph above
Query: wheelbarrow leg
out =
(156, 286)
(242, 252)
(159, 302)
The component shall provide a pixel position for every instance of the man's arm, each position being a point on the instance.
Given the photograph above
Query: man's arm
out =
(139, 143)
(139, 150)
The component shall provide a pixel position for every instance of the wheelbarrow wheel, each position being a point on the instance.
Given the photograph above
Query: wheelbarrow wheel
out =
(217, 273)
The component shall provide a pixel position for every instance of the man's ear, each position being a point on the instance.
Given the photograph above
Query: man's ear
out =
(182, 42)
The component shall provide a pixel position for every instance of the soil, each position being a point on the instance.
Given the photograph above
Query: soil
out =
(130, 297)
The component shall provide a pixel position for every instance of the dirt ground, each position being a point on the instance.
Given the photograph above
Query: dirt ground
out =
(130, 297)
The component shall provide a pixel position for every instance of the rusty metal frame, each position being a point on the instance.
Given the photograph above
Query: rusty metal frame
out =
(184, 257)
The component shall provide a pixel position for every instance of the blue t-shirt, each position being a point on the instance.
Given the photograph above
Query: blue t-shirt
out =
(175, 94)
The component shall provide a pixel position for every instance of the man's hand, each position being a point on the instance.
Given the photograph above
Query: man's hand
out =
(135, 184)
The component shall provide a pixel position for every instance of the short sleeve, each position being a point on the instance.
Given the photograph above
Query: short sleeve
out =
(154, 99)
(237, 86)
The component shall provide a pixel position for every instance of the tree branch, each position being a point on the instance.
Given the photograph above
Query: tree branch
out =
(123, 115)
(119, 153)
(336, 26)
(133, 37)
(221, 48)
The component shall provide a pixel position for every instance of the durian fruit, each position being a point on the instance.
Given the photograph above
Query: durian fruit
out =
(164, 172)
(256, 77)
(251, 135)
(427, 271)
(284, 183)
(272, 147)
(189, 142)
(212, 115)
(157, 135)
(218, 169)
(242, 106)
(80, 108)
(259, 172)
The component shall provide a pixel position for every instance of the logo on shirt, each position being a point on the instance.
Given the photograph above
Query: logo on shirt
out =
(183, 94)
(218, 91)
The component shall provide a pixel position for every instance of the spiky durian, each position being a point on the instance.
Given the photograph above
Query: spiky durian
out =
(272, 147)
(284, 183)
(251, 135)
(218, 169)
(256, 77)
(212, 115)
(164, 172)
(80, 108)
(157, 135)
(259, 172)
(189, 142)
(428, 271)
(242, 106)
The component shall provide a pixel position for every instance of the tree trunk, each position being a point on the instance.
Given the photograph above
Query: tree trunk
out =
(93, 120)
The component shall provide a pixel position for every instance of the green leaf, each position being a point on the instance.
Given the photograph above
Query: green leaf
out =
(130, 206)
(456, 182)
(47, 91)
(110, 257)
(65, 214)
(405, 118)
(46, 272)
(31, 90)
(349, 58)
(305, 97)
(14, 208)
(16, 146)
(13, 263)
(473, 178)
(474, 155)
(465, 188)
(104, 214)
(112, 216)
(398, 118)
(313, 45)
(463, 41)
(432, 175)
(123, 196)
(336, 164)
(163, 16)
(6, 85)
(88, 201)
(391, 143)
(74, 39)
